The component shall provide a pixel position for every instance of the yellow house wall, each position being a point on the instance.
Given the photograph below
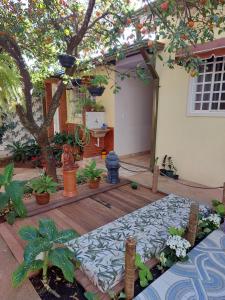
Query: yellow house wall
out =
(196, 143)
(108, 97)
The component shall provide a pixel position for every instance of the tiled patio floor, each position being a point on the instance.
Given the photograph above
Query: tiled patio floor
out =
(202, 277)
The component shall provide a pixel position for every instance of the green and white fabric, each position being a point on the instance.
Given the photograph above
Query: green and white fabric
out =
(101, 251)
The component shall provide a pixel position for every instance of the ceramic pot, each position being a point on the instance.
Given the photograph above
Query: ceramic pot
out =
(96, 90)
(43, 198)
(94, 184)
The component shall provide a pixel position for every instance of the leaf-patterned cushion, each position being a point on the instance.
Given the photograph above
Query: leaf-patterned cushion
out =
(101, 252)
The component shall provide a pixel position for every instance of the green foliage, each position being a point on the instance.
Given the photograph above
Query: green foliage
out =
(176, 231)
(218, 207)
(99, 80)
(144, 273)
(82, 135)
(91, 172)
(91, 296)
(81, 178)
(18, 151)
(24, 151)
(43, 184)
(134, 185)
(11, 200)
(115, 296)
(83, 104)
(44, 240)
(61, 138)
(10, 85)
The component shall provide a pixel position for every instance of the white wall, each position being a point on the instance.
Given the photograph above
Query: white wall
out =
(132, 117)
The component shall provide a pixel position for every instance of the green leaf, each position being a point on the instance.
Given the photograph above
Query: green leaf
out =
(19, 275)
(60, 258)
(36, 265)
(2, 180)
(11, 217)
(35, 247)
(48, 229)
(4, 198)
(28, 233)
(220, 209)
(8, 173)
(15, 191)
(91, 296)
(65, 236)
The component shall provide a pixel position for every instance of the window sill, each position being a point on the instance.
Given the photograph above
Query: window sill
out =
(206, 114)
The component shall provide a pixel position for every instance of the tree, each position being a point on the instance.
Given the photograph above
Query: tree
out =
(33, 33)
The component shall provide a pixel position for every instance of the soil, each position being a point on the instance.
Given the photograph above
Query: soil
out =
(65, 289)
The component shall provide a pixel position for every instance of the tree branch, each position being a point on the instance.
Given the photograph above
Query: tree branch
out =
(76, 39)
(11, 47)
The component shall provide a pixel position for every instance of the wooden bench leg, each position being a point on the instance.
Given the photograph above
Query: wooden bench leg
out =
(193, 223)
(130, 267)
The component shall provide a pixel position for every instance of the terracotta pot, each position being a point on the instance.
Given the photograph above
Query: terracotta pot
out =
(69, 183)
(94, 184)
(43, 198)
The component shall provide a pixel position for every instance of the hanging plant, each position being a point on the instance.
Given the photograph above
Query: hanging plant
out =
(66, 61)
(82, 135)
(97, 85)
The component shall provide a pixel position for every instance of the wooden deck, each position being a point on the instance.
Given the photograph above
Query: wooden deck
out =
(88, 211)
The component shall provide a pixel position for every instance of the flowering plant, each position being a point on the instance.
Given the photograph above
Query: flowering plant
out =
(176, 248)
(208, 224)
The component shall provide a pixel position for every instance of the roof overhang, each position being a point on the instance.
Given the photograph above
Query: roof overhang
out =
(207, 50)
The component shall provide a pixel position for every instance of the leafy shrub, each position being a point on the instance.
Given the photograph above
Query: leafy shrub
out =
(91, 172)
(44, 184)
(144, 273)
(219, 208)
(176, 248)
(61, 138)
(208, 224)
(11, 200)
(43, 242)
(81, 178)
(18, 151)
(134, 185)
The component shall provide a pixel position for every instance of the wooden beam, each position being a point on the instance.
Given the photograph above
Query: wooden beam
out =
(130, 267)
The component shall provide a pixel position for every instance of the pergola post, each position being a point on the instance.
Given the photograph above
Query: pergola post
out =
(130, 267)
(155, 179)
(223, 200)
(193, 223)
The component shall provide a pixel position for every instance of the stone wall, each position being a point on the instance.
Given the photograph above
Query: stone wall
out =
(19, 133)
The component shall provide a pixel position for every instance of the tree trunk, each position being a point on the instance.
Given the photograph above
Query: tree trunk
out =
(47, 155)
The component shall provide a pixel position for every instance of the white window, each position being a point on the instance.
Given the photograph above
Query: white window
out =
(207, 91)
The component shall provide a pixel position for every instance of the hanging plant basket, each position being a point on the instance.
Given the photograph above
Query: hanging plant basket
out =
(66, 61)
(96, 90)
(76, 82)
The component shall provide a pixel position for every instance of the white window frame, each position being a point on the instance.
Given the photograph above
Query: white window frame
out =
(190, 103)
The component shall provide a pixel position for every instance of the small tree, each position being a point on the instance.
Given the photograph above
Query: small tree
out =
(33, 33)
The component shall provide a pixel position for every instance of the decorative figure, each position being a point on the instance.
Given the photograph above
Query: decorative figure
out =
(69, 172)
(67, 158)
(112, 165)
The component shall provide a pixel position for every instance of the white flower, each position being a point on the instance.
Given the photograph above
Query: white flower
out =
(162, 258)
(213, 218)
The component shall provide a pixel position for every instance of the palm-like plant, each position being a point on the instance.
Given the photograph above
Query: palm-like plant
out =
(11, 198)
(91, 172)
(44, 240)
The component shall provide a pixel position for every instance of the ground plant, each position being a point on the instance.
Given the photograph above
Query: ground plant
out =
(11, 199)
(208, 224)
(144, 273)
(176, 248)
(43, 249)
(218, 207)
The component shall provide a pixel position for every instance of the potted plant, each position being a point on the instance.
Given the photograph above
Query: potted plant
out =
(170, 170)
(163, 169)
(97, 85)
(42, 188)
(93, 174)
(66, 61)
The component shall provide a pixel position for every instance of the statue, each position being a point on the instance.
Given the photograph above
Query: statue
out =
(67, 158)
